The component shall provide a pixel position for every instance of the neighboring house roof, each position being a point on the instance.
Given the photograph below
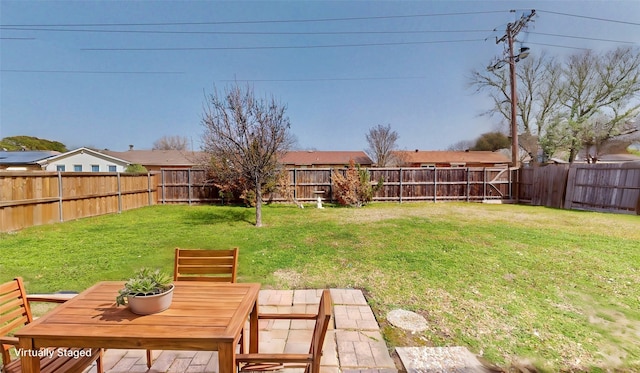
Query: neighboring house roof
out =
(557, 160)
(312, 157)
(82, 151)
(611, 158)
(437, 156)
(618, 158)
(25, 157)
(158, 158)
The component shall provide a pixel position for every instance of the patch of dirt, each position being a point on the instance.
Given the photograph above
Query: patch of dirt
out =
(38, 309)
(287, 279)
(396, 337)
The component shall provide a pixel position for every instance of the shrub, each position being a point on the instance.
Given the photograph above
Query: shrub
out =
(282, 187)
(354, 188)
(136, 168)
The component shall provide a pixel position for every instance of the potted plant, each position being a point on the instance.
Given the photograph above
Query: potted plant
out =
(147, 292)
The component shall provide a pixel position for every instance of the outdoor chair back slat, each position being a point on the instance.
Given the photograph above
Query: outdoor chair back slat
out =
(14, 308)
(15, 312)
(206, 265)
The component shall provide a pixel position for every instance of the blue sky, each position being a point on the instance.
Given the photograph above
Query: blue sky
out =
(107, 74)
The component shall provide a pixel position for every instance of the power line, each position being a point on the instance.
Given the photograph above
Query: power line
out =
(329, 79)
(583, 38)
(90, 72)
(221, 80)
(557, 46)
(241, 32)
(260, 21)
(592, 18)
(284, 46)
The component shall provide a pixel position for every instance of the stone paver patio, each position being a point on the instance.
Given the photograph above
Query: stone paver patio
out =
(353, 342)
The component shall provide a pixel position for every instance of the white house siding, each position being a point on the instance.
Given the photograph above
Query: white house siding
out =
(86, 160)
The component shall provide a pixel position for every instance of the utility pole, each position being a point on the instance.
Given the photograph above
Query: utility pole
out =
(512, 30)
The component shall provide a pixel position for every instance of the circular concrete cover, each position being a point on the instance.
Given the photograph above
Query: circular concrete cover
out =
(407, 320)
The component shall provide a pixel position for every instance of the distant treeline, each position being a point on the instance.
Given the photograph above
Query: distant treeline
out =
(30, 143)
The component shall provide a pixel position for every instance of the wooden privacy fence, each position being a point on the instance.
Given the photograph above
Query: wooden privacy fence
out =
(187, 185)
(399, 184)
(594, 187)
(605, 187)
(543, 185)
(443, 184)
(36, 198)
(599, 187)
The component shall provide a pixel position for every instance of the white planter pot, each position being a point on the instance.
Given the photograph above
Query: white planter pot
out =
(148, 304)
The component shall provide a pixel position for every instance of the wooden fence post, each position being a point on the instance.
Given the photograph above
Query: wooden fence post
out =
(189, 186)
(295, 185)
(517, 185)
(330, 185)
(149, 186)
(60, 217)
(119, 194)
(435, 184)
(469, 185)
(484, 183)
(511, 182)
(163, 182)
(400, 179)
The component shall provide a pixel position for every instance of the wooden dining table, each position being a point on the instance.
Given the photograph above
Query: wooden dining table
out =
(204, 316)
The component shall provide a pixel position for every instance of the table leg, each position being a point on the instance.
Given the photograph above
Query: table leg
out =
(30, 362)
(227, 358)
(253, 329)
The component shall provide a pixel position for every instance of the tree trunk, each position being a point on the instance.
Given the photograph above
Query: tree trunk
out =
(258, 204)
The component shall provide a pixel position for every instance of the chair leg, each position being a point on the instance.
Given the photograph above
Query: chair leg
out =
(99, 363)
(149, 358)
(243, 348)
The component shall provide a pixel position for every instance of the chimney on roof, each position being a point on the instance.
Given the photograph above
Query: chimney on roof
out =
(130, 147)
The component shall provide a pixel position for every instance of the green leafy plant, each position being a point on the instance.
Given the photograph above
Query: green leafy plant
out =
(144, 282)
(136, 168)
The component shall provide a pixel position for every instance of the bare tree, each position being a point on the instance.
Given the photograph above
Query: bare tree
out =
(558, 103)
(382, 142)
(537, 82)
(245, 137)
(598, 97)
(461, 145)
(171, 143)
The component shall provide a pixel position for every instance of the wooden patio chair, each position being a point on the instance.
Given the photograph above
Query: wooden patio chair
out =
(311, 361)
(15, 312)
(204, 265)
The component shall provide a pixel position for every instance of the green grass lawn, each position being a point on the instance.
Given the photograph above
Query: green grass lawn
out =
(518, 285)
